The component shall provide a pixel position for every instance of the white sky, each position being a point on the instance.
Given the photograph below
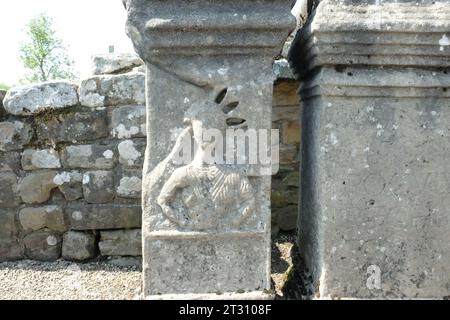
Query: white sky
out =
(87, 27)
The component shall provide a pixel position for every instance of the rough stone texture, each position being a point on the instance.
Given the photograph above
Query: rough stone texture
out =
(287, 218)
(36, 187)
(115, 63)
(98, 186)
(107, 90)
(36, 218)
(69, 184)
(33, 99)
(8, 228)
(96, 156)
(78, 246)
(9, 191)
(9, 161)
(217, 243)
(100, 217)
(116, 137)
(33, 159)
(131, 153)
(14, 135)
(129, 184)
(70, 127)
(375, 172)
(43, 245)
(128, 122)
(121, 243)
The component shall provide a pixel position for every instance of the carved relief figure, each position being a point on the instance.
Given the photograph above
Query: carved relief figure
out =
(202, 196)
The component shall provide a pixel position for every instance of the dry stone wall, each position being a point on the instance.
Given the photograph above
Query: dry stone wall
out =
(71, 158)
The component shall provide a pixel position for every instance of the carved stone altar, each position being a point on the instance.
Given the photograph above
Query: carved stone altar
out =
(206, 225)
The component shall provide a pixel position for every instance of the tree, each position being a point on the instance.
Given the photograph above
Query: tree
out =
(4, 86)
(44, 54)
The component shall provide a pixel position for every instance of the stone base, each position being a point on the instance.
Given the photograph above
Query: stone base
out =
(254, 295)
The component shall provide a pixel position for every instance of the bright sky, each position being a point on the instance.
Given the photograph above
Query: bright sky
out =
(87, 27)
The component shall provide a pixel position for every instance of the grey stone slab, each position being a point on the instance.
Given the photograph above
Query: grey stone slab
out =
(43, 245)
(129, 183)
(8, 227)
(115, 63)
(121, 243)
(132, 153)
(89, 156)
(128, 122)
(79, 246)
(206, 228)
(37, 218)
(101, 217)
(73, 126)
(98, 186)
(33, 159)
(10, 161)
(15, 134)
(9, 190)
(109, 90)
(37, 187)
(11, 249)
(32, 99)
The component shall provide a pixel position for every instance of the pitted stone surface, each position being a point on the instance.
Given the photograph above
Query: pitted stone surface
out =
(73, 127)
(98, 186)
(78, 246)
(101, 217)
(69, 183)
(14, 135)
(132, 152)
(205, 227)
(9, 161)
(9, 190)
(108, 90)
(128, 122)
(8, 228)
(129, 184)
(115, 63)
(121, 243)
(33, 99)
(95, 156)
(33, 159)
(36, 218)
(36, 187)
(43, 245)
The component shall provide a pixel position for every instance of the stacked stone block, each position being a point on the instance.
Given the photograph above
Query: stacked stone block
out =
(71, 159)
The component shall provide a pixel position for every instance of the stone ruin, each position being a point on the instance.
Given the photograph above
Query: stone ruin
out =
(374, 172)
(71, 158)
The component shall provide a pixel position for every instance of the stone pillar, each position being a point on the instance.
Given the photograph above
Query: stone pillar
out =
(375, 200)
(206, 227)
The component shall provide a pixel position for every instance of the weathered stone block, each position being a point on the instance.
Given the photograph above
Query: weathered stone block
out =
(9, 161)
(9, 192)
(128, 122)
(206, 226)
(92, 156)
(282, 71)
(34, 219)
(78, 246)
(132, 152)
(129, 184)
(69, 183)
(33, 99)
(75, 126)
(37, 187)
(121, 243)
(109, 90)
(100, 217)
(2, 109)
(11, 249)
(14, 135)
(43, 245)
(8, 228)
(115, 63)
(98, 186)
(33, 159)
